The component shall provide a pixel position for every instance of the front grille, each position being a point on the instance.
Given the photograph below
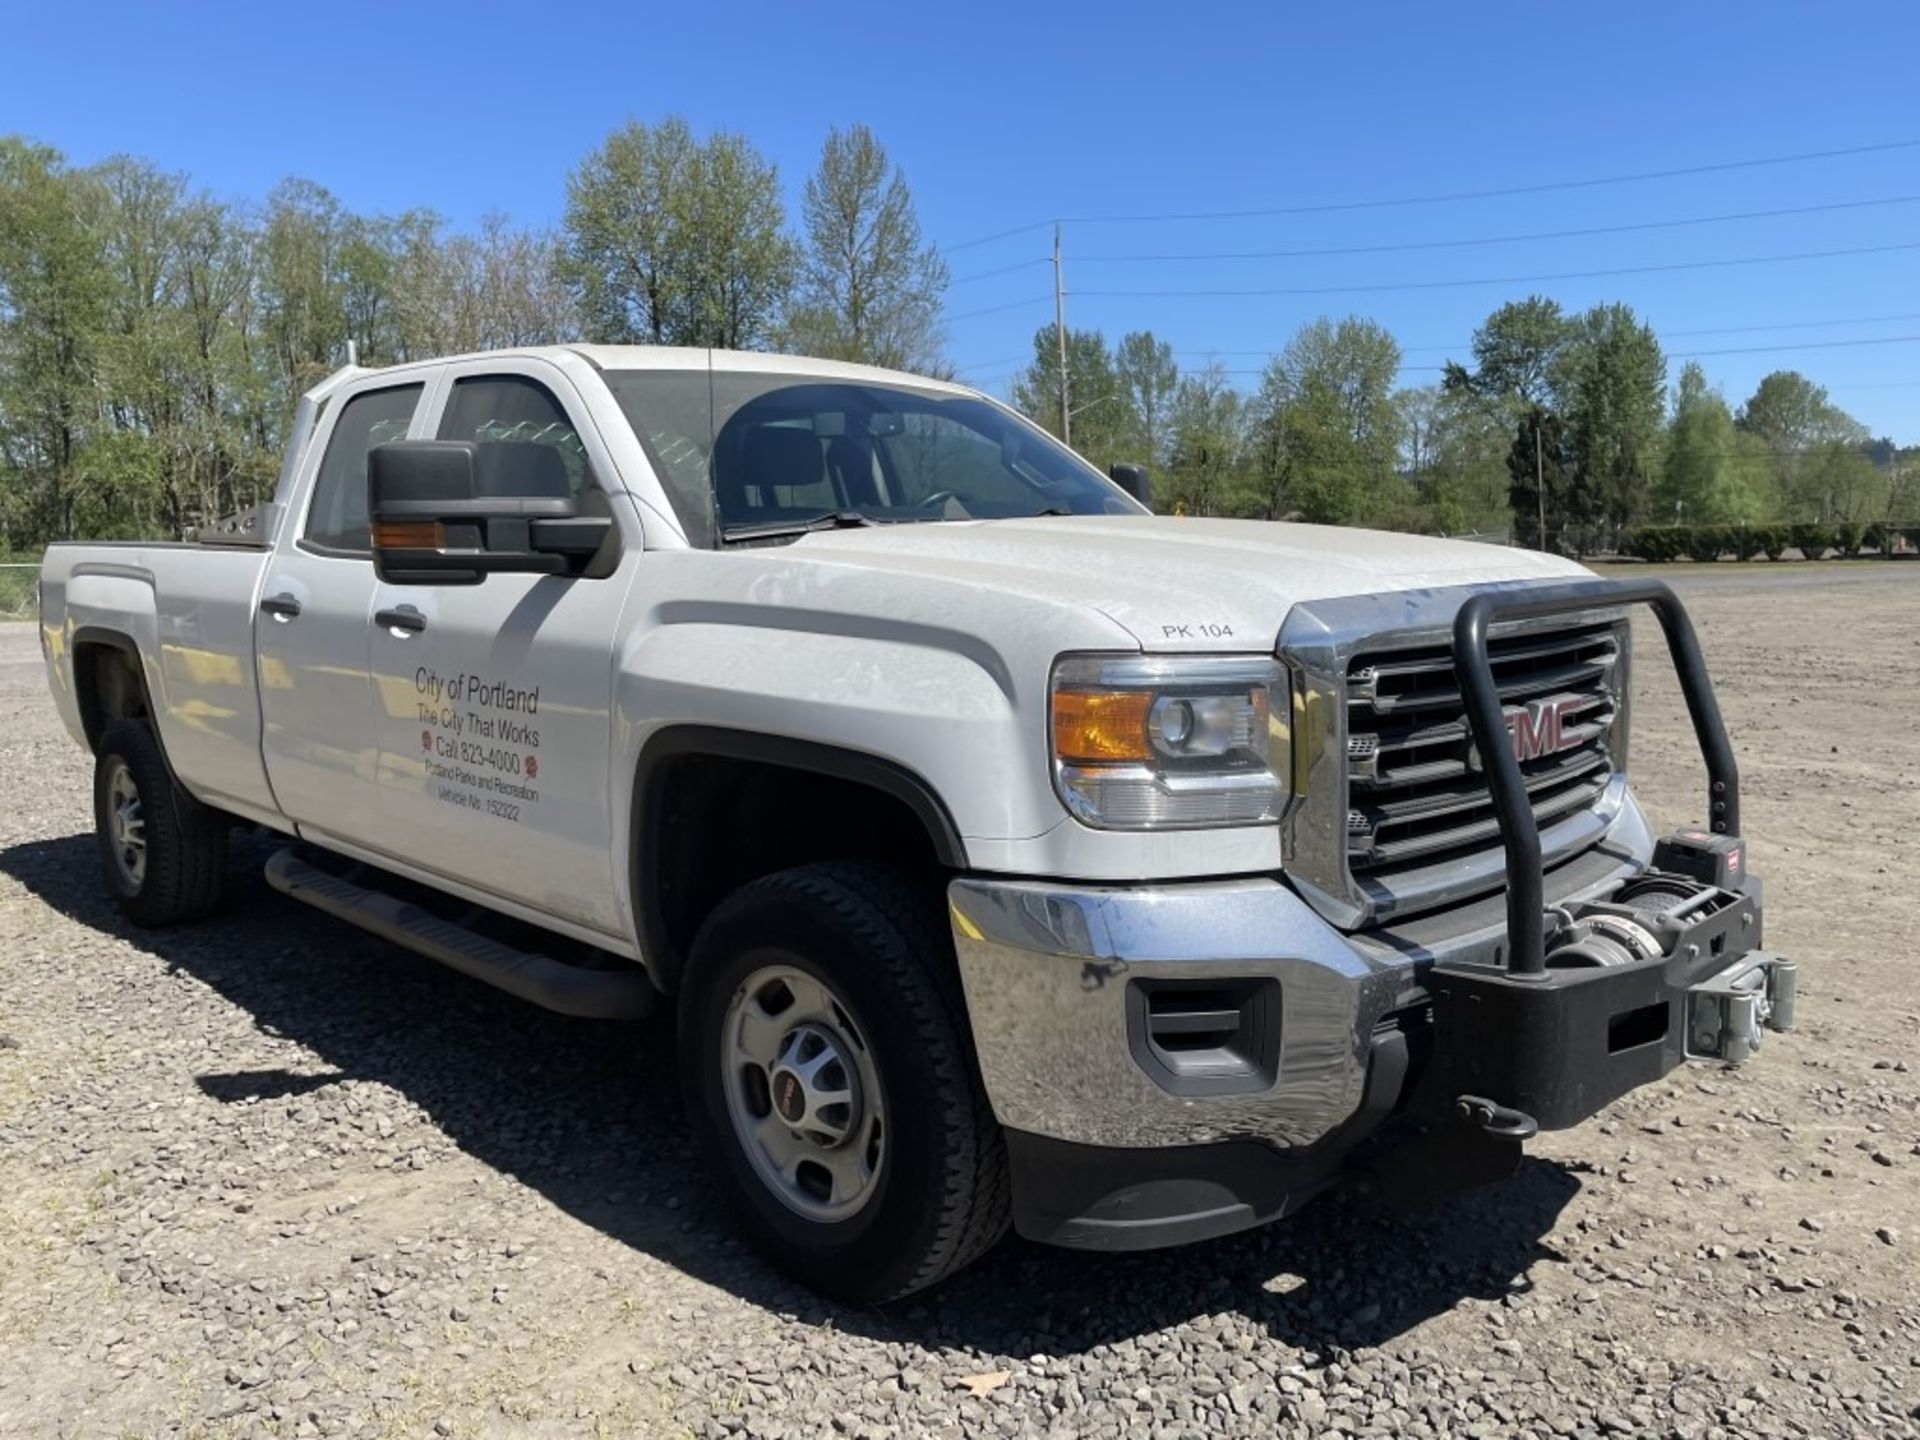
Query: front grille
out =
(1417, 793)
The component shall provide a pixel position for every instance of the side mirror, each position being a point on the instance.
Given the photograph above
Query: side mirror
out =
(451, 512)
(1134, 480)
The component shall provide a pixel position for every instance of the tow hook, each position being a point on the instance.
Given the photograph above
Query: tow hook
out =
(1502, 1122)
(1729, 1014)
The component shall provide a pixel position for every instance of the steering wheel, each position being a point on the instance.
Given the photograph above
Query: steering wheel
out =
(940, 497)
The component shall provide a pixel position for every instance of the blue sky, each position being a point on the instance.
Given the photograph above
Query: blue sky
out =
(1005, 116)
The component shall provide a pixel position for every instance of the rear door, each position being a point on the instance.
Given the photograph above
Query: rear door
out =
(493, 702)
(310, 629)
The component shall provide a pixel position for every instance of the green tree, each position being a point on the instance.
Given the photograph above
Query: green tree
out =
(1148, 382)
(304, 308)
(1706, 477)
(1329, 425)
(1517, 353)
(870, 286)
(627, 255)
(1455, 451)
(1613, 394)
(676, 241)
(1207, 469)
(1101, 421)
(152, 340)
(54, 290)
(741, 262)
(1806, 438)
(1518, 379)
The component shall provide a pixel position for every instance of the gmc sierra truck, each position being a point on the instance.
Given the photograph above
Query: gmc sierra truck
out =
(1009, 855)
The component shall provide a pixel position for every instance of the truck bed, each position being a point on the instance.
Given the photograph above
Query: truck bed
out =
(188, 607)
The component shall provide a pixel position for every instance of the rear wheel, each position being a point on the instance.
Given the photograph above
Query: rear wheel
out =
(165, 854)
(824, 1056)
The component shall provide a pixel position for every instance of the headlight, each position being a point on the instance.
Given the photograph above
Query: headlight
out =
(1170, 742)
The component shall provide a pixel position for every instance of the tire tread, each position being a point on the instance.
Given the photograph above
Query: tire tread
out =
(891, 919)
(186, 841)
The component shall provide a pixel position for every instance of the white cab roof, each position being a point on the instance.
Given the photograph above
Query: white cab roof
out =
(662, 357)
(752, 362)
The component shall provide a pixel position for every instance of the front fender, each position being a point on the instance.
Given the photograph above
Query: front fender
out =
(954, 720)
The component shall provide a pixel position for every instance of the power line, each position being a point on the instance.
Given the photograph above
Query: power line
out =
(1401, 247)
(1002, 270)
(1479, 240)
(997, 309)
(1665, 334)
(1014, 359)
(1503, 279)
(1541, 188)
(1803, 345)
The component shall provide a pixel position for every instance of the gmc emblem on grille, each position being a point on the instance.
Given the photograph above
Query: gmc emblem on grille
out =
(1537, 728)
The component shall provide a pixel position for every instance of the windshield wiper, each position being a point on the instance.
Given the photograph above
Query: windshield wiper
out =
(772, 529)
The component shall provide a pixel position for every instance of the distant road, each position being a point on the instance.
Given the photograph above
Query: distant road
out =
(21, 667)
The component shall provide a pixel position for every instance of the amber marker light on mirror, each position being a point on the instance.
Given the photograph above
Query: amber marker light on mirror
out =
(408, 535)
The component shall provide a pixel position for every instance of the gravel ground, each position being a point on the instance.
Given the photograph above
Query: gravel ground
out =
(271, 1177)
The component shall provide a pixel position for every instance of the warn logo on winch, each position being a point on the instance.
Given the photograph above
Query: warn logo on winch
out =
(1539, 727)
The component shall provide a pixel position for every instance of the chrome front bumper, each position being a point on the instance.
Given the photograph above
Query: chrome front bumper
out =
(1047, 967)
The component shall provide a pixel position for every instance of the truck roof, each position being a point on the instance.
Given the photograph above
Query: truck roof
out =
(666, 357)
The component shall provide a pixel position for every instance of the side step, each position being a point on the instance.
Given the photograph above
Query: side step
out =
(624, 994)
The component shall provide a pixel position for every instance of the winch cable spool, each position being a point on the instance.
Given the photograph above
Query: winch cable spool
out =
(1665, 897)
(1601, 940)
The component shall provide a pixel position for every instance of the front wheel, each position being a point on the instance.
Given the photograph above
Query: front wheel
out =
(165, 854)
(824, 1056)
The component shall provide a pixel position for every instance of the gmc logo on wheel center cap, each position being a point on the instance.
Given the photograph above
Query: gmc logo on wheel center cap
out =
(1538, 728)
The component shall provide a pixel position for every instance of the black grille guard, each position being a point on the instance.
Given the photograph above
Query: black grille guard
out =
(1519, 834)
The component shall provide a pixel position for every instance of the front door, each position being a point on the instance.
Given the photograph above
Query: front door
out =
(310, 628)
(493, 702)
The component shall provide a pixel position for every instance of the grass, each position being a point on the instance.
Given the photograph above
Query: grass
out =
(19, 593)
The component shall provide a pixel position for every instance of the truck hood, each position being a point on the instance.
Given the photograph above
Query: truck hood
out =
(1181, 584)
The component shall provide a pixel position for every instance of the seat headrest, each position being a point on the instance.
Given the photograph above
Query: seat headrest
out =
(522, 468)
(782, 455)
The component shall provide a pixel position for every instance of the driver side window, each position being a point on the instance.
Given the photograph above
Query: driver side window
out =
(514, 410)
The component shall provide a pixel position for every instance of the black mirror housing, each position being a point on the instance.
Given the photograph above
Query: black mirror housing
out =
(1134, 480)
(451, 512)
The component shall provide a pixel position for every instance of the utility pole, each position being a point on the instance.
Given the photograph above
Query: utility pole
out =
(1060, 339)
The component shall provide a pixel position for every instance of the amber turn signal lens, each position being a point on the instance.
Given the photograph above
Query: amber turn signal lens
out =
(408, 535)
(1096, 725)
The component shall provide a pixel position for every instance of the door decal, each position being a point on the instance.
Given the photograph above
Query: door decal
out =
(479, 741)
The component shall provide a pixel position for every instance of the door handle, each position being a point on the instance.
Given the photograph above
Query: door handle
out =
(403, 617)
(283, 606)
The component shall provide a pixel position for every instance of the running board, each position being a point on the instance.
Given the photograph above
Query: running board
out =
(624, 994)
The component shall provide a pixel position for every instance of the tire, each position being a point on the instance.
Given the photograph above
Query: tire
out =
(180, 868)
(938, 1194)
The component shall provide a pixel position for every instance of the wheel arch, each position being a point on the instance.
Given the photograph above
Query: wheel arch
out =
(726, 844)
(109, 681)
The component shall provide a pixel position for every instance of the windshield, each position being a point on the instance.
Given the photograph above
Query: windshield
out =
(745, 456)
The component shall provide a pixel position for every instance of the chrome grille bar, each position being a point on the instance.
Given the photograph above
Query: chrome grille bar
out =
(1418, 792)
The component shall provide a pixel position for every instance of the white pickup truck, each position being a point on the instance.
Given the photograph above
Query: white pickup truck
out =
(1010, 855)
